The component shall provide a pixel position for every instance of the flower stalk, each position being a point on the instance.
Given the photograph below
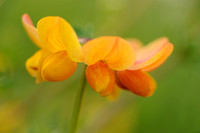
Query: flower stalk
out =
(78, 103)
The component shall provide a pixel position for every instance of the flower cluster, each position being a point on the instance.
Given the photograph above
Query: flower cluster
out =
(112, 62)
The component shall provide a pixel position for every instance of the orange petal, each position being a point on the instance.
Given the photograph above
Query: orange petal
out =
(138, 82)
(58, 66)
(118, 82)
(101, 78)
(31, 30)
(57, 34)
(153, 55)
(116, 51)
(122, 56)
(34, 64)
(97, 49)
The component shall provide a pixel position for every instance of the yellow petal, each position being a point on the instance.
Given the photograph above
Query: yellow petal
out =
(138, 82)
(58, 66)
(116, 51)
(31, 30)
(115, 93)
(101, 78)
(34, 64)
(57, 34)
(153, 55)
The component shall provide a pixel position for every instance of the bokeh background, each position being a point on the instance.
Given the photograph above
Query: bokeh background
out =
(27, 107)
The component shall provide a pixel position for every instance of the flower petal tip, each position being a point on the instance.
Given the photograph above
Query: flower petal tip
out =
(115, 93)
(31, 30)
(26, 19)
(138, 82)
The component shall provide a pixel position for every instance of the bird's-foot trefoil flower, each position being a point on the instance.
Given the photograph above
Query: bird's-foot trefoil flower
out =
(112, 62)
(116, 63)
(59, 52)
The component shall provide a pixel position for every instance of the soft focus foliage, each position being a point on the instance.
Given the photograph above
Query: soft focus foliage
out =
(47, 107)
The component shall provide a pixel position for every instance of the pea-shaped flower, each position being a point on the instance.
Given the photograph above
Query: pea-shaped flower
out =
(114, 62)
(59, 52)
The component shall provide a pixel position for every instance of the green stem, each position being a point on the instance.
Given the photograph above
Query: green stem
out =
(78, 103)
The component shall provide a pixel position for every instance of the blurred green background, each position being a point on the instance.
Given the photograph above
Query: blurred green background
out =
(26, 107)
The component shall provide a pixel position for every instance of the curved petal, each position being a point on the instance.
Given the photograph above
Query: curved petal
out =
(122, 56)
(57, 34)
(101, 78)
(153, 55)
(34, 64)
(97, 49)
(161, 58)
(138, 82)
(116, 51)
(31, 30)
(58, 66)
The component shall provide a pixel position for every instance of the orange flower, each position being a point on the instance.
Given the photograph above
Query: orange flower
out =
(114, 62)
(60, 49)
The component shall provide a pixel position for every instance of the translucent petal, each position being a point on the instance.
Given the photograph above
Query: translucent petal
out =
(31, 30)
(115, 93)
(153, 55)
(135, 43)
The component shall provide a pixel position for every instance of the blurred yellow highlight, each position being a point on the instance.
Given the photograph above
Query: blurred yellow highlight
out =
(11, 117)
